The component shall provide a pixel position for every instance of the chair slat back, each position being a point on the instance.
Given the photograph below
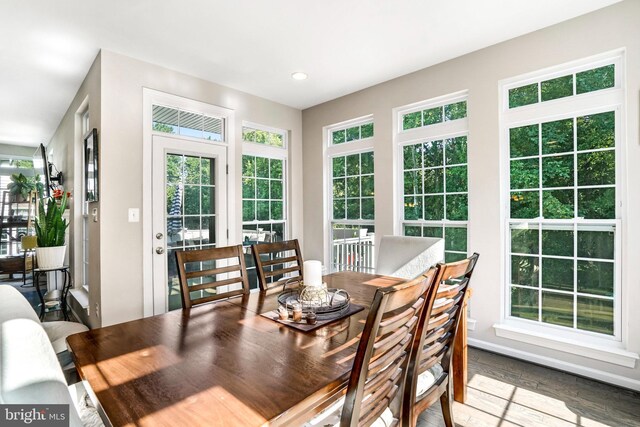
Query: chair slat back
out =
(277, 263)
(437, 334)
(380, 366)
(199, 270)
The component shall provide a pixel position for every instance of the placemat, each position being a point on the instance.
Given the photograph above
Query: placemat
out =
(304, 326)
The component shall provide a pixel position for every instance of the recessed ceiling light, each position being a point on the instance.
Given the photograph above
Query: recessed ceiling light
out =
(299, 75)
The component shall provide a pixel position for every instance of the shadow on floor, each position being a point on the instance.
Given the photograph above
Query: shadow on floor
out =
(509, 392)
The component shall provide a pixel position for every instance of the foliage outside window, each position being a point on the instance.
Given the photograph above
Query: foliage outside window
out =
(179, 122)
(191, 211)
(353, 206)
(562, 204)
(435, 192)
(434, 115)
(353, 133)
(263, 205)
(560, 87)
(353, 187)
(260, 136)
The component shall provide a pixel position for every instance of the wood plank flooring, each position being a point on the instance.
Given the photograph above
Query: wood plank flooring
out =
(505, 392)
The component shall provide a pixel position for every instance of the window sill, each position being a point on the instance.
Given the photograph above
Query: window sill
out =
(616, 356)
(81, 296)
(471, 324)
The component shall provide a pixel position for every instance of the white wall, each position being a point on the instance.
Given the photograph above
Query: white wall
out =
(479, 72)
(121, 175)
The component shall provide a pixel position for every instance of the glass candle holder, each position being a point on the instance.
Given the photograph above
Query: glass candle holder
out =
(297, 313)
(283, 312)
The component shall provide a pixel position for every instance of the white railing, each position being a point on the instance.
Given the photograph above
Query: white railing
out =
(354, 254)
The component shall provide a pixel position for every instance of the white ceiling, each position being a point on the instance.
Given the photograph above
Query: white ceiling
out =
(47, 46)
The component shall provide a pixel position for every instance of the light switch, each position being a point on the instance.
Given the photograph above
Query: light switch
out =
(134, 215)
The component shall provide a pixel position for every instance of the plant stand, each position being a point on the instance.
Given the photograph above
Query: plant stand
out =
(53, 295)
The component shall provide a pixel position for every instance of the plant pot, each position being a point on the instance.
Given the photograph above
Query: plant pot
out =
(51, 257)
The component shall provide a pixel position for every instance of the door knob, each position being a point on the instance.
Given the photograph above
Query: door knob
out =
(159, 236)
(159, 250)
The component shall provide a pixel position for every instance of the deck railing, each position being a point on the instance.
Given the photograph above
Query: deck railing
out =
(354, 254)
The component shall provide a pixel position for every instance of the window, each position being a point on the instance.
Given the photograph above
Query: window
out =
(560, 87)
(274, 138)
(352, 189)
(434, 172)
(352, 133)
(194, 125)
(84, 129)
(264, 209)
(432, 115)
(563, 210)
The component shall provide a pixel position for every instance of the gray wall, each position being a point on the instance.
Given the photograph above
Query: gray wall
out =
(123, 80)
(479, 72)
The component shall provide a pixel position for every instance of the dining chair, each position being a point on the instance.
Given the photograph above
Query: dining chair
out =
(276, 262)
(429, 376)
(376, 384)
(198, 270)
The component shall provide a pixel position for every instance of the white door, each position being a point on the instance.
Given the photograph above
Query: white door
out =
(189, 199)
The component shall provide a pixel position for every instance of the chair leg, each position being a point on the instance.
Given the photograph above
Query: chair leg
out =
(446, 401)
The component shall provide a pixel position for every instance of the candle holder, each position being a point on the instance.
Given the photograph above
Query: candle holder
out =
(313, 296)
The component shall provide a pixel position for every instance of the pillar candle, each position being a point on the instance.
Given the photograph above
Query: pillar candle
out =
(312, 273)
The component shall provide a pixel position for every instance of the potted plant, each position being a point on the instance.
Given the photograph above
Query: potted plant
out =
(20, 186)
(50, 232)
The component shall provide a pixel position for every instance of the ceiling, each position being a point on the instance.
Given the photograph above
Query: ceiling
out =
(47, 47)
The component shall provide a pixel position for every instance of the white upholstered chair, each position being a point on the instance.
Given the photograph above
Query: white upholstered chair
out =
(407, 257)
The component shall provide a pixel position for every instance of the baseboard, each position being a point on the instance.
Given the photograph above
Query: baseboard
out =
(582, 371)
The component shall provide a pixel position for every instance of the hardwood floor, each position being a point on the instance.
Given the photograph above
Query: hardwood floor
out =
(505, 392)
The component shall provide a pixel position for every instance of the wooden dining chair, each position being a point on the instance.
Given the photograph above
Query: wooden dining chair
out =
(275, 260)
(198, 270)
(376, 385)
(429, 377)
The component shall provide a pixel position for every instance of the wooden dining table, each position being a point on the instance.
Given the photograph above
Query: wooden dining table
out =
(222, 364)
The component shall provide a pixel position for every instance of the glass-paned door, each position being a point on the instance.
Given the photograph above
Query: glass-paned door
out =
(189, 199)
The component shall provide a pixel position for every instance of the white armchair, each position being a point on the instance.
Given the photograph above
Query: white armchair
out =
(407, 257)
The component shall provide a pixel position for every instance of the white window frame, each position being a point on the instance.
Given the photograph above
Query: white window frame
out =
(610, 99)
(257, 149)
(434, 132)
(84, 129)
(337, 150)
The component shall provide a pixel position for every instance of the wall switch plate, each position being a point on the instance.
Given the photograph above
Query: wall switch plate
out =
(134, 215)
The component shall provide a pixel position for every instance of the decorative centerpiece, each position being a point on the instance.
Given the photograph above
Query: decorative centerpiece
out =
(50, 231)
(313, 292)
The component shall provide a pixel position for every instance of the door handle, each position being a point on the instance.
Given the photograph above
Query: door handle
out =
(159, 236)
(159, 250)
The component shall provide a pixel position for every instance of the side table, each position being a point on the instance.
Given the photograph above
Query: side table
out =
(55, 294)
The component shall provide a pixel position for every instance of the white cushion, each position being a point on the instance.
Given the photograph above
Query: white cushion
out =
(407, 257)
(13, 305)
(59, 331)
(29, 369)
(428, 378)
(330, 417)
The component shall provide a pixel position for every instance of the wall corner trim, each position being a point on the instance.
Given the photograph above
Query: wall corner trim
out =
(611, 355)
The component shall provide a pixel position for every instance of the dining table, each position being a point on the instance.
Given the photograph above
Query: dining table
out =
(223, 364)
